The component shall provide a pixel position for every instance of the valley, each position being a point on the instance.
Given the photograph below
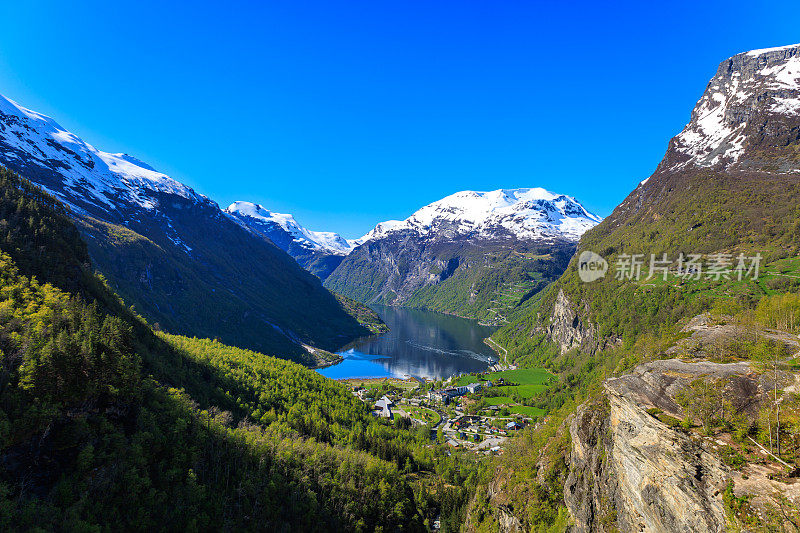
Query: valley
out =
(498, 361)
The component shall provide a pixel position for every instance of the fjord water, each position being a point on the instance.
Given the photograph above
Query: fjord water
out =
(420, 343)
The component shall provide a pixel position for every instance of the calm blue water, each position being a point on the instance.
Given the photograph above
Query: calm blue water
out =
(420, 343)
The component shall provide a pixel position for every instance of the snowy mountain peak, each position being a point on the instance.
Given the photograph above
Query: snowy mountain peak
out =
(75, 171)
(326, 241)
(760, 84)
(528, 214)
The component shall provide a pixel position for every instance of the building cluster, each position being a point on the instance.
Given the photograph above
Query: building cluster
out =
(476, 424)
(445, 395)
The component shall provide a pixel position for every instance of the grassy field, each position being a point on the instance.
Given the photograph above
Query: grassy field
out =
(528, 381)
(525, 410)
(429, 416)
(499, 400)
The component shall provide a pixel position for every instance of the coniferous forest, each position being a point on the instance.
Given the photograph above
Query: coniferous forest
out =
(108, 425)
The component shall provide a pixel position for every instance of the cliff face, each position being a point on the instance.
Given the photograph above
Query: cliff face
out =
(631, 471)
(633, 467)
(569, 327)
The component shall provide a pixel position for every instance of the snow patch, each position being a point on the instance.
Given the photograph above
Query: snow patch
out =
(527, 214)
(715, 133)
(316, 240)
(90, 174)
(761, 51)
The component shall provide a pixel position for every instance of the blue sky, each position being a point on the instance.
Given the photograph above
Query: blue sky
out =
(349, 113)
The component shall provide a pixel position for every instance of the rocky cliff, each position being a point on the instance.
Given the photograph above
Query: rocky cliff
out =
(630, 470)
(638, 461)
(569, 326)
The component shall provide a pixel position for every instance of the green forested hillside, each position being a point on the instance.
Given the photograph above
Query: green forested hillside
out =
(487, 281)
(493, 291)
(624, 322)
(105, 425)
(265, 302)
(190, 269)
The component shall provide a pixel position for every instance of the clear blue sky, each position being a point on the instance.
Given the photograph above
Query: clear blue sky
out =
(349, 113)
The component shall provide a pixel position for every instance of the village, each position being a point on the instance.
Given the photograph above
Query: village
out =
(476, 413)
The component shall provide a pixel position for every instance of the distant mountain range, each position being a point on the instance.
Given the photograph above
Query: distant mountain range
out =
(186, 265)
(165, 247)
(521, 214)
(475, 254)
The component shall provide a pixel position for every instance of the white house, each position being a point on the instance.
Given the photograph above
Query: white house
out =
(384, 407)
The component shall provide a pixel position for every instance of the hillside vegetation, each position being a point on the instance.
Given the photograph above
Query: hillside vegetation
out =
(612, 325)
(484, 281)
(106, 425)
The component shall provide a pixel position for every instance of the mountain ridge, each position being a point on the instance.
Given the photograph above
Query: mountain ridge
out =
(461, 254)
(727, 184)
(327, 241)
(523, 214)
(172, 252)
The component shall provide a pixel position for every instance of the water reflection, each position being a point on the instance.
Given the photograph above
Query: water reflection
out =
(420, 343)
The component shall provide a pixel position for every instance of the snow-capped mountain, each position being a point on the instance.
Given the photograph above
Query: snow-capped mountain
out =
(731, 177)
(526, 214)
(749, 91)
(87, 179)
(172, 252)
(534, 215)
(457, 254)
(319, 252)
(254, 215)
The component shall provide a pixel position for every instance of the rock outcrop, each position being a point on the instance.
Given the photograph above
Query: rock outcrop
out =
(631, 471)
(570, 327)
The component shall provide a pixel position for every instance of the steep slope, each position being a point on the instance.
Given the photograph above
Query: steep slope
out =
(477, 254)
(107, 425)
(672, 445)
(731, 177)
(729, 183)
(319, 252)
(173, 253)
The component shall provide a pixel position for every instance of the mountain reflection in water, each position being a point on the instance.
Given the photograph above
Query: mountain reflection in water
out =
(420, 343)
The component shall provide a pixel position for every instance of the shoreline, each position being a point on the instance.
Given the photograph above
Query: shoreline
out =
(326, 364)
(375, 380)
